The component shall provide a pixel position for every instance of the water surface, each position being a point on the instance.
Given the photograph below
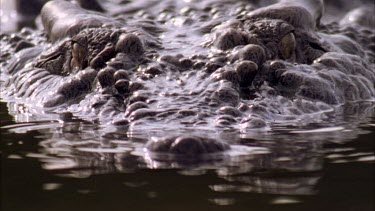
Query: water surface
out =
(319, 169)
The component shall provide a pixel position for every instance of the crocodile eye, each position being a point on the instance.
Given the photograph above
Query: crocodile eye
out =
(287, 45)
(79, 52)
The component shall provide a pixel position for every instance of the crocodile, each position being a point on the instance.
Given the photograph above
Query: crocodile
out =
(202, 65)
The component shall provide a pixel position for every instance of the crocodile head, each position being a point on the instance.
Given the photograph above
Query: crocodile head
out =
(270, 65)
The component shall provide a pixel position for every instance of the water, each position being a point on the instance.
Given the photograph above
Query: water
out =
(54, 161)
(330, 171)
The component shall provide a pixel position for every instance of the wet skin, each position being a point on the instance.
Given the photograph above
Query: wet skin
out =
(271, 64)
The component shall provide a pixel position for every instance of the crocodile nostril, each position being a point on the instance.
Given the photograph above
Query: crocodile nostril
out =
(186, 145)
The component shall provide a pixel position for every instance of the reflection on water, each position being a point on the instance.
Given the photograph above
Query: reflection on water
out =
(287, 166)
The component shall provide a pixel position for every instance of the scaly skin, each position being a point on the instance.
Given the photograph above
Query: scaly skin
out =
(273, 64)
